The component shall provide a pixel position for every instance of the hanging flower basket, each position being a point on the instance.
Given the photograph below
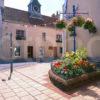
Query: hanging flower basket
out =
(77, 21)
(89, 24)
(61, 24)
(70, 27)
(74, 21)
(80, 21)
(93, 30)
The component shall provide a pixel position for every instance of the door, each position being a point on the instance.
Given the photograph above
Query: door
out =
(41, 52)
(55, 52)
(30, 51)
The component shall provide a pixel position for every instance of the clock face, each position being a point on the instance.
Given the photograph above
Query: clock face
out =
(35, 8)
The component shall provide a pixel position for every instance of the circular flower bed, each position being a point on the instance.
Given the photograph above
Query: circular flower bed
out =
(73, 66)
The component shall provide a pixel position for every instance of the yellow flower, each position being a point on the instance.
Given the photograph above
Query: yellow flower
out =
(67, 54)
(72, 53)
(89, 19)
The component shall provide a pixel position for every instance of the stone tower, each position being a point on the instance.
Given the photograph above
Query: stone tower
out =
(34, 9)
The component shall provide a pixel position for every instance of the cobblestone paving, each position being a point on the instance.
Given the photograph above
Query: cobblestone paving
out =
(32, 83)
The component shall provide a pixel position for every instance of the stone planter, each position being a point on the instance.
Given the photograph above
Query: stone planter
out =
(70, 84)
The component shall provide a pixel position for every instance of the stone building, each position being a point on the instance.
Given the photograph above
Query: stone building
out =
(1, 14)
(33, 35)
(1, 21)
(83, 38)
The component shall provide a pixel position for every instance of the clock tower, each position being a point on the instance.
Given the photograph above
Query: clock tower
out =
(34, 9)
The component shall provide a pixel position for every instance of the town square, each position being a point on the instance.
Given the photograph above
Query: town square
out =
(49, 50)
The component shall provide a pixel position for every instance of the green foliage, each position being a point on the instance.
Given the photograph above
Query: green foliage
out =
(61, 24)
(93, 30)
(70, 27)
(81, 53)
(80, 21)
(90, 26)
(77, 21)
(73, 64)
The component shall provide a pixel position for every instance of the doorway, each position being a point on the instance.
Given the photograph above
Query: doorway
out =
(55, 52)
(30, 51)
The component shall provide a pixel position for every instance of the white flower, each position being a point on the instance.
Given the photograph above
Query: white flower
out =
(89, 19)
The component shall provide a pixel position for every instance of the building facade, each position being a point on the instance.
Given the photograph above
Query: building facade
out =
(1, 14)
(1, 22)
(33, 35)
(83, 38)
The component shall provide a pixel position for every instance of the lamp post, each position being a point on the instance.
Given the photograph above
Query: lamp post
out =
(74, 30)
(11, 57)
(71, 15)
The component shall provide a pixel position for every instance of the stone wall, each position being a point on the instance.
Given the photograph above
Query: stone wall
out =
(33, 38)
(1, 23)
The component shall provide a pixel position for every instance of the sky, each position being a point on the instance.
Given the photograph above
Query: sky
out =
(48, 7)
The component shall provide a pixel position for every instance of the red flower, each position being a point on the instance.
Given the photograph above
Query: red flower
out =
(57, 65)
(65, 69)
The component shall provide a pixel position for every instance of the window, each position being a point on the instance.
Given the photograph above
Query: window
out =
(20, 35)
(58, 38)
(50, 48)
(44, 36)
(2, 12)
(60, 50)
(17, 51)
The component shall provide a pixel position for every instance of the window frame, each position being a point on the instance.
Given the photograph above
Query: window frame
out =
(44, 36)
(61, 50)
(20, 34)
(19, 52)
(58, 38)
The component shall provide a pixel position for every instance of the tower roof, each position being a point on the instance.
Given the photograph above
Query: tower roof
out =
(36, 2)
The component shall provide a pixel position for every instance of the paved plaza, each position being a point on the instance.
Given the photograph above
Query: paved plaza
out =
(30, 81)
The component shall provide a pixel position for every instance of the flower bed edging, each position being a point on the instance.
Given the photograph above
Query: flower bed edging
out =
(74, 82)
